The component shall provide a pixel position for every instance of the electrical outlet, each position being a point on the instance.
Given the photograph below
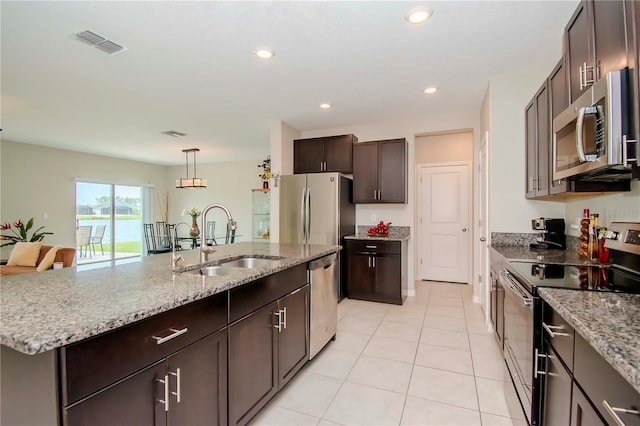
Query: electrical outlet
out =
(374, 218)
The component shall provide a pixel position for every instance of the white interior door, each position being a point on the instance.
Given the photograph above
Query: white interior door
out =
(444, 218)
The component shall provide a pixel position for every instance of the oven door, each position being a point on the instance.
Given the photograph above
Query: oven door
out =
(519, 340)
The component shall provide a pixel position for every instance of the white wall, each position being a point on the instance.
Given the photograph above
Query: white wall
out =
(444, 148)
(621, 207)
(228, 183)
(36, 180)
(282, 136)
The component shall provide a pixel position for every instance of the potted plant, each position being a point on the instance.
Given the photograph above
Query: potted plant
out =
(20, 233)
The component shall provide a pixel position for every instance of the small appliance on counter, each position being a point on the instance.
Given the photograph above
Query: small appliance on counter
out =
(552, 234)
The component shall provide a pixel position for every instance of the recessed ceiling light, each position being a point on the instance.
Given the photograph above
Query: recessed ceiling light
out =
(264, 53)
(419, 15)
(431, 89)
(325, 105)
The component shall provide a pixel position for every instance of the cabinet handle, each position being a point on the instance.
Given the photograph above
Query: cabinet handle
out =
(178, 385)
(626, 160)
(552, 333)
(284, 315)
(176, 333)
(369, 257)
(613, 411)
(166, 392)
(535, 363)
(371, 247)
(374, 261)
(581, 79)
(278, 326)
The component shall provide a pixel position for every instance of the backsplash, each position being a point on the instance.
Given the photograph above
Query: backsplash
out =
(524, 239)
(394, 231)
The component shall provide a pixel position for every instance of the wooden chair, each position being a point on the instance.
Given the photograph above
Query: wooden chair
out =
(83, 239)
(150, 240)
(97, 238)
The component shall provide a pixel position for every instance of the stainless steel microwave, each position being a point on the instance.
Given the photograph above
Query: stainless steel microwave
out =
(591, 138)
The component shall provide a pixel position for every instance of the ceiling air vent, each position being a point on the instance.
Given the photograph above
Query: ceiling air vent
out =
(99, 42)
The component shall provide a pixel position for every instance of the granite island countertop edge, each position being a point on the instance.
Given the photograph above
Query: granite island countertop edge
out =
(606, 321)
(45, 311)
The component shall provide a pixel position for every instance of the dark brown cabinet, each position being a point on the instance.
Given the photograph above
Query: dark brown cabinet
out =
(376, 270)
(189, 387)
(595, 43)
(380, 171)
(537, 122)
(168, 369)
(268, 345)
(580, 386)
(325, 154)
(496, 305)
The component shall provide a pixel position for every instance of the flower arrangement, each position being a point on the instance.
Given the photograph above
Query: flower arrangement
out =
(20, 233)
(194, 212)
(266, 167)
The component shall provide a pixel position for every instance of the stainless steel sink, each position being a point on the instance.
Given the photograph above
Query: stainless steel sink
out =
(248, 262)
(218, 271)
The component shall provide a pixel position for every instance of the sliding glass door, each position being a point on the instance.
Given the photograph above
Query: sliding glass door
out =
(108, 221)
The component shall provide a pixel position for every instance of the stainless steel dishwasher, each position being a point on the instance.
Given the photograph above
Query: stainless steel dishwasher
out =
(324, 302)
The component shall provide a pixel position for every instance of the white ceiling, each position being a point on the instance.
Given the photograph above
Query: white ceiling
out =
(189, 67)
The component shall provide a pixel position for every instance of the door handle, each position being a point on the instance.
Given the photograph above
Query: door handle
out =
(464, 229)
(483, 239)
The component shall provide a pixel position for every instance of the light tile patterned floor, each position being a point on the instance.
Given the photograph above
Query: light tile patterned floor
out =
(430, 361)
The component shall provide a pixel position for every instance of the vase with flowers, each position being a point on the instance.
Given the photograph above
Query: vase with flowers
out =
(20, 233)
(194, 213)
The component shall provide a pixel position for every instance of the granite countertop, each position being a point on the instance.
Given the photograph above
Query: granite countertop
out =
(607, 321)
(526, 254)
(377, 237)
(46, 310)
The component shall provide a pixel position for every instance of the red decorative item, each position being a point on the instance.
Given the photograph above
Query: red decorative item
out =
(265, 184)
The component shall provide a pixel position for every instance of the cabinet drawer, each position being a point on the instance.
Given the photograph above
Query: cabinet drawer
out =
(601, 382)
(374, 246)
(94, 363)
(560, 334)
(249, 297)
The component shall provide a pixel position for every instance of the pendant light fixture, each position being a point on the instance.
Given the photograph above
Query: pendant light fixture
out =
(194, 182)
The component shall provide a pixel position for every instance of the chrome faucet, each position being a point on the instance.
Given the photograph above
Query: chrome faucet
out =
(204, 249)
(174, 259)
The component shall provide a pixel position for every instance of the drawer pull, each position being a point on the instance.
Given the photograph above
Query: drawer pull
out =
(613, 411)
(284, 315)
(278, 326)
(552, 333)
(165, 401)
(178, 385)
(371, 247)
(176, 333)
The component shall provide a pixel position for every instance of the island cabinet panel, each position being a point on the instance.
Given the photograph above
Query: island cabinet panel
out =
(380, 171)
(267, 344)
(188, 387)
(324, 154)
(92, 364)
(582, 412)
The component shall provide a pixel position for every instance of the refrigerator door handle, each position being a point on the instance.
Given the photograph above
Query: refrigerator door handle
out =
(308, 224)
(303, 214)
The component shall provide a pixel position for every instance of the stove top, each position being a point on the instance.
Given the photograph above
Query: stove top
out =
(623, 275)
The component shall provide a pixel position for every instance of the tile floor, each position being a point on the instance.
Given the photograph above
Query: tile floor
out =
(430, 361)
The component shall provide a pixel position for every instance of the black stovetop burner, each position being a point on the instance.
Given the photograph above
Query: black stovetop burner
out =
(623, 275)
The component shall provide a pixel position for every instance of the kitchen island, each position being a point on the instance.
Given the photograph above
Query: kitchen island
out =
(93, 334)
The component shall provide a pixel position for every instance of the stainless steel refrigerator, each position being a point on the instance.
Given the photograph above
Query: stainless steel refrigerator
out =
(316, 208)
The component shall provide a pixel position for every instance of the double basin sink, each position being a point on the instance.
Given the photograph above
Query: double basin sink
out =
(235, 266)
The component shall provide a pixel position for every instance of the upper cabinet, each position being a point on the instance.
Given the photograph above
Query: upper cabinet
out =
(537, 143)
(595, 43)
(326, 154)
(380, 171)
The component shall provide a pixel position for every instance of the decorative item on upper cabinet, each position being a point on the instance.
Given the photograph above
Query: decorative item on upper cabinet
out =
(266, 172)
(324, 154)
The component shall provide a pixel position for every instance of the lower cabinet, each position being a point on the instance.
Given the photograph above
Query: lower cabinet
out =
(267, 348)
(376, 270)
(580, 386)
(188, 387)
